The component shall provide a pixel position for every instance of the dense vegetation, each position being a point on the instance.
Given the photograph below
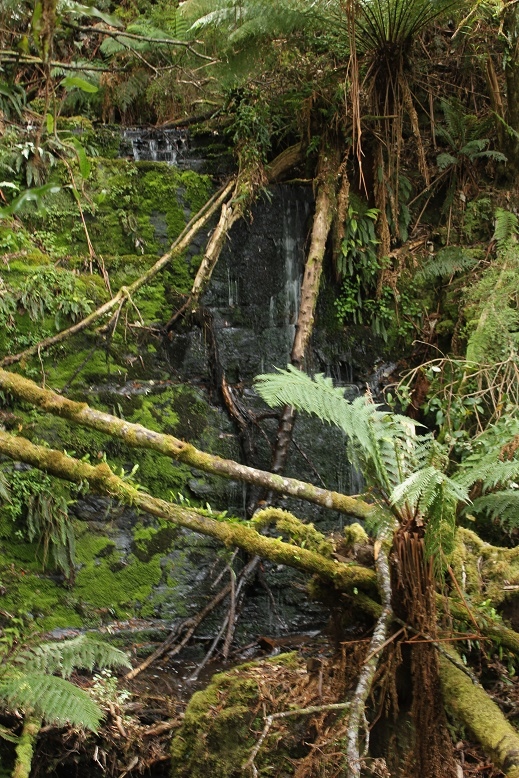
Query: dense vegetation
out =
(403, 116)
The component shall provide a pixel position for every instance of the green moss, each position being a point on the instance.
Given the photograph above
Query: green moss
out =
(121, 585)
(148, 541)
(482, 568)
(47, 602)
(220, 725)
(90, 546)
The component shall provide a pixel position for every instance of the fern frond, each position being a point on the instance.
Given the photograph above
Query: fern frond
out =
(381, 444)
(64, 656)
(424, 487)
(490, 471)
(505, 226)
(316, 396)
(54, 699)
(447, 262)
(502, 506)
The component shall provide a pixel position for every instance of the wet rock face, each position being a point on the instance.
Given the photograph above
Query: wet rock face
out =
(155, 145)
(255, 289)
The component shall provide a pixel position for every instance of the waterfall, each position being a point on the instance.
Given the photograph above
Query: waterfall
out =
(155, 145)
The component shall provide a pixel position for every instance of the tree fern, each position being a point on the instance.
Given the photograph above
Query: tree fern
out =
(28, 683)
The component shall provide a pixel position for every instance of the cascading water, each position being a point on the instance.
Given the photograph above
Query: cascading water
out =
(155, 145)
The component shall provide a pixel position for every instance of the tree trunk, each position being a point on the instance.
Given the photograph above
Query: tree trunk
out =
(325, 205)
(327, 172)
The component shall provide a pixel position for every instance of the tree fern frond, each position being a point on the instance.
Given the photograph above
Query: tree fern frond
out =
(54, 699)
(64, 656)
(447, 262)
(379, 443)
(316, 396)
(422, 489)
(502, 506)
(506, 225)
(490, 471)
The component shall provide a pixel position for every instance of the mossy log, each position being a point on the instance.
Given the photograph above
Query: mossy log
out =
(471, 704)
(125, 292)
(140, 437)
(231, 533)
(25, 747)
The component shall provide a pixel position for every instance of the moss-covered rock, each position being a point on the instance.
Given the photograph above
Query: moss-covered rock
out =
(221, 724)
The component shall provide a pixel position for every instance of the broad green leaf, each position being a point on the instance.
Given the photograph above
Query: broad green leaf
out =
(34, 195)
(78, 9)
(84, 164)
(75, 82)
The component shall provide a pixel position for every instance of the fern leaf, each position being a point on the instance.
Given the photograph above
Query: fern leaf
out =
(54, 699)
(379, 443)
(64, 656)
(491, 472)
(502, 506)
(420, 490)
(505, 226)
(447, 262)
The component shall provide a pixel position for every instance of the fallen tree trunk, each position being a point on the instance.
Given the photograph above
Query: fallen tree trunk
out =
(140, 437)
(471, 704)
(125, 292)
(231, 533)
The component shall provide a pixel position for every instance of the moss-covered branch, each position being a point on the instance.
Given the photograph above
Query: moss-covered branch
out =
(125, 292)
(25, 747)
(140, 437)
(232, 533)
(471, 704)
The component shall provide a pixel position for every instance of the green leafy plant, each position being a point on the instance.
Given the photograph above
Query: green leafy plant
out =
(38, 511)
(464, 135)
(29, 680)
(405, 471)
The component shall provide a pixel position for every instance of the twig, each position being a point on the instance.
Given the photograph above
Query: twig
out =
(378, 641)
(249, 764)
(180, 244)
(190, 625)
(231, 617)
